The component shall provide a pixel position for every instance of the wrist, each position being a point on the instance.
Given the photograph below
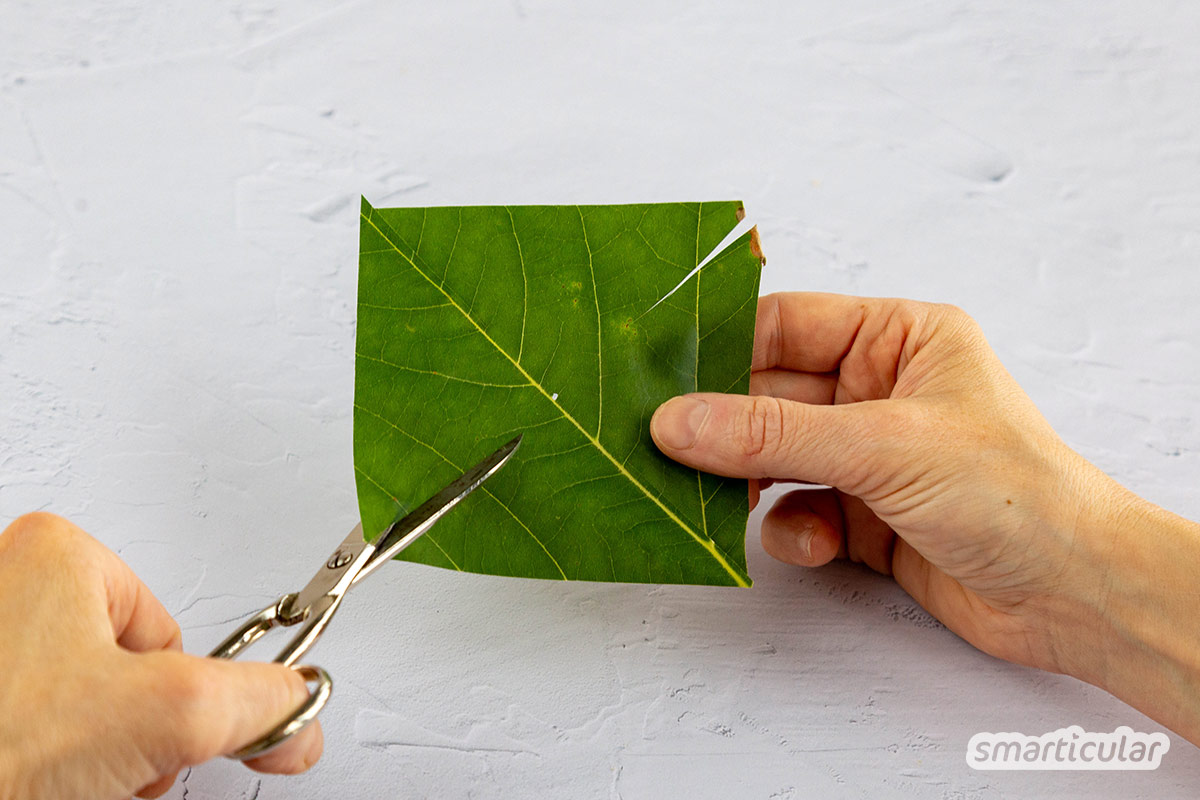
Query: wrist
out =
(1138, 602)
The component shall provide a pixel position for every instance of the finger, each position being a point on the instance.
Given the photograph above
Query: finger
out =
(136, 620)
(802, 387)
(756, 487)
(869, 342)
(761, 437)
(806, 331)
(205, 707)
(159, 787)
(139, 621)
(869, 539)
(294, 756)
(804, 528)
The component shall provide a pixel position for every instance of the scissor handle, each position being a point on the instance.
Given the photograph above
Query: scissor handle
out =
(289, 726)
(251, 631)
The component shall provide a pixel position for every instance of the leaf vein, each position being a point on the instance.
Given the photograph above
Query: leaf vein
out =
(394, 365)
(484, 489)
(599, 330)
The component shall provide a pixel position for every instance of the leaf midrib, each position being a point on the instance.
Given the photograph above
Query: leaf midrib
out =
(707, 543)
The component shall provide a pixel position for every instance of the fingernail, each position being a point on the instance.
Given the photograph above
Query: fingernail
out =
(804, 538)
(677, 422)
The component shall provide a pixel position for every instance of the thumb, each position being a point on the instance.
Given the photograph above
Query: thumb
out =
(200, 708)
(758, 437)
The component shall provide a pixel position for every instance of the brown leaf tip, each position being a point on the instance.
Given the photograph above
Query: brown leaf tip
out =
(756, 246)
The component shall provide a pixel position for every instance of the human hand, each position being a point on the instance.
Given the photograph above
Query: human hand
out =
(98, 700)
(946, 476)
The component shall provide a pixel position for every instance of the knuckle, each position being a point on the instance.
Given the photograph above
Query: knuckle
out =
(38, 529)
(958, 319)
(286, 685)
(174, 635)
(911, 312)
(184, 694)
(763, 429)
(184, 689)
(951, 311)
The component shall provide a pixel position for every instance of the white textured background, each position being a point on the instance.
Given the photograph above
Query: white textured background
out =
(178, 241)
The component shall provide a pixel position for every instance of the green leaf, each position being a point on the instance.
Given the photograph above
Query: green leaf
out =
(476, 323)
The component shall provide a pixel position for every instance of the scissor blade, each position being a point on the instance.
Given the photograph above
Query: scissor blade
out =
(406, 530)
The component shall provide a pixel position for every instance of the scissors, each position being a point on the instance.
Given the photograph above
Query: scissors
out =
(315, 604)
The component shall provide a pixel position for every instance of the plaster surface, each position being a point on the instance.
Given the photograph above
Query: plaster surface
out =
(178, 241)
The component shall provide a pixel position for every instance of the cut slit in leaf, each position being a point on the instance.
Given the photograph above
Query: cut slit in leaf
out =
(467, 315)
(743, 226)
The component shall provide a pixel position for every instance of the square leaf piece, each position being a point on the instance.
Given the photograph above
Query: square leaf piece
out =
(478, 323)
